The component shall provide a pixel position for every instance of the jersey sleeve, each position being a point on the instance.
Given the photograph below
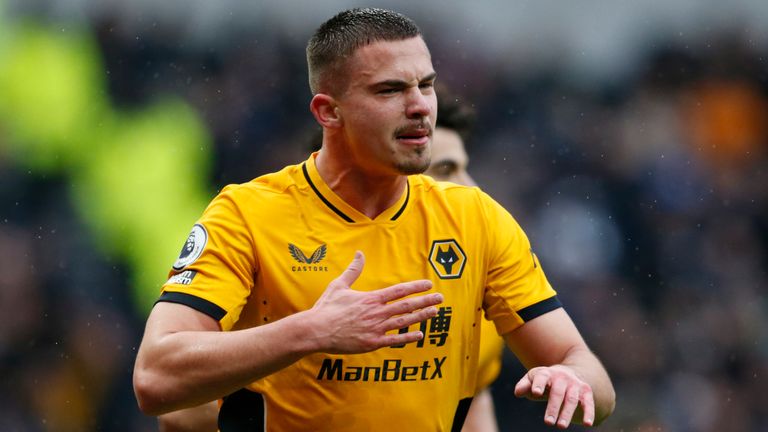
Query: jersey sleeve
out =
(516, 288)
(215, 270)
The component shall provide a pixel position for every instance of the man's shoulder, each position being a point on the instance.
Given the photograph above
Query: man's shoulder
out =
(448, 190)
(274, 183)
(453, 197)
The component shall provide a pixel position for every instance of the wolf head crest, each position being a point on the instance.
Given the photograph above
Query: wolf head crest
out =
(447, 259)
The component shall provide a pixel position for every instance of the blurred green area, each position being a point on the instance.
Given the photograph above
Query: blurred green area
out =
(138, 178)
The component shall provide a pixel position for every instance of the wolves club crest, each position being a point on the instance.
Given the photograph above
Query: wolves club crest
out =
(447, 259)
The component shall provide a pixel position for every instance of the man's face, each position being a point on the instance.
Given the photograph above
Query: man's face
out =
(388, 108)
(449, 158)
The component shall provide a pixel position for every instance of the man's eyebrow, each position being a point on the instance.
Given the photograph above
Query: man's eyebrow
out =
(430, 77)
(390, 83)
(448, 162)
(400, 83)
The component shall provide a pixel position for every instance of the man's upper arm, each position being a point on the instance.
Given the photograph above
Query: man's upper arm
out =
(214, 273)
(169, 351)
(545, 340)
(167, 318)
(516, 289)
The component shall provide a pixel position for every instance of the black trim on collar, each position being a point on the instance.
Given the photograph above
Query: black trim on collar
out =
(407, 196)
(322, 198)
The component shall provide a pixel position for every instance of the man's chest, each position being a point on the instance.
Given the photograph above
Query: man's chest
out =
(297, 263)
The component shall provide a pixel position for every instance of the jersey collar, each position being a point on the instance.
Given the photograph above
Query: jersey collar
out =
(340, 207)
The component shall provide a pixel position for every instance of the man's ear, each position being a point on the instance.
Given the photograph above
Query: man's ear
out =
(326, 112)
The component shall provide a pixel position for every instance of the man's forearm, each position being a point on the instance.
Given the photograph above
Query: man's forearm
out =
(185, 361)
(188, 368)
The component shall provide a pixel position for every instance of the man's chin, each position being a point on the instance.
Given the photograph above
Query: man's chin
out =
(413, 167)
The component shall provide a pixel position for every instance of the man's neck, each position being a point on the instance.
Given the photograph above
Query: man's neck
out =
(369, 194)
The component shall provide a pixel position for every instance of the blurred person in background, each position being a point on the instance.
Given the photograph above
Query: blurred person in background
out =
(449, 163)
(284, 352)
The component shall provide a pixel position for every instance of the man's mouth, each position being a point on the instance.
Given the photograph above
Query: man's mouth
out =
(419, 135)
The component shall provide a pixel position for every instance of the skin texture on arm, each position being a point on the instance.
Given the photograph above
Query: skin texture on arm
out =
(561, 370)
(185, 361)
(203, 418)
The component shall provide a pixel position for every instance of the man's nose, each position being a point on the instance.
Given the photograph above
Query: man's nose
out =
(418, 104)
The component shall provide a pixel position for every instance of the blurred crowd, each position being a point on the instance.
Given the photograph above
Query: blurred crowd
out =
(645, 199)
(647, 203)
(69, 329)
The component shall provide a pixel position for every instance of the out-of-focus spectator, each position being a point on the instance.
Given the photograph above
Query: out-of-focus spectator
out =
(68, 340)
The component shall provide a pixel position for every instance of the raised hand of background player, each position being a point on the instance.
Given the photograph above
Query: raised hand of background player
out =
(350, 321)
(564, 392)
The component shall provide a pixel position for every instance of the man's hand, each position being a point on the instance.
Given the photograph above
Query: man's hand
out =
(356, 322)
(564, 391)
(561, 370)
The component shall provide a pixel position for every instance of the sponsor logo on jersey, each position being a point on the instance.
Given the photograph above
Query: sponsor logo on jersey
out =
(447, 259)
(309, 264)
(183, 278)
(389, 370)
(193, 247)
(436, 332)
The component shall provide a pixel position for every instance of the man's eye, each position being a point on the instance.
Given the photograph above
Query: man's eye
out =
(445, 170)
(388, 91)
(442, 171)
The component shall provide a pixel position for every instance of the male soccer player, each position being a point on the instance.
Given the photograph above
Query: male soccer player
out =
(263, 311)
(449, 163)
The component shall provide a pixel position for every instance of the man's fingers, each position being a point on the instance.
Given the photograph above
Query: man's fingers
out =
(405, 320)
(401, 290)
(523, 387)
(353, 270)
(400, 338)
(588, 406)
(539, 382)
(566, 396)
(533, 385)
(413, 303)
(570, 403)
(555, 401)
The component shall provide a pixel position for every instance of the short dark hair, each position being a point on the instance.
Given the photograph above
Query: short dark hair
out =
(338, 38)
(454, 113)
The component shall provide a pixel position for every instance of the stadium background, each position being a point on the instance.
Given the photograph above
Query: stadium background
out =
(628, 138)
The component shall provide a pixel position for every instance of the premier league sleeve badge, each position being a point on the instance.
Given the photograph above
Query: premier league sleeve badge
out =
(193, 247)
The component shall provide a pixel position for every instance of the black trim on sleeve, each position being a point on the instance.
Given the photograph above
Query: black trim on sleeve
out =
(242, 411)
(540, 308)
(322, 198)
(196, 303)
(407, 196)
(461, 414)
